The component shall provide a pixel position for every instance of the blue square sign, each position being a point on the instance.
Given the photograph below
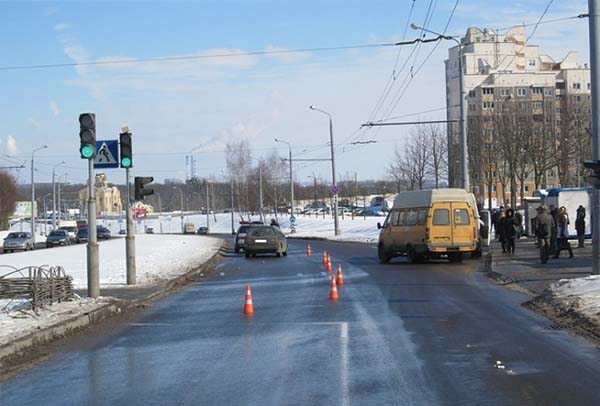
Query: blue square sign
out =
(107, 154)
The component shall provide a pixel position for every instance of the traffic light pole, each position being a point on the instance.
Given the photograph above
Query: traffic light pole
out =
(130, 238)
(207, 209)
(594, 21)
(93, 263)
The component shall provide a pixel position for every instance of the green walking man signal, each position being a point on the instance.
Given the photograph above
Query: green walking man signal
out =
(87, 135)
(140, 187)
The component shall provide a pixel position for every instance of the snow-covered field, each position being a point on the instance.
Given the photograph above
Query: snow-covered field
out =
(581, 294)
(159, 257)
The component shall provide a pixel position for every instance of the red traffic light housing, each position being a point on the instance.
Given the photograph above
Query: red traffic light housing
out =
(140, 187)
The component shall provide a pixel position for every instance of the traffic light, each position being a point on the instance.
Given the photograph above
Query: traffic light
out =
(126, 151)
(140, 189)
(594, 177)
(87, 135)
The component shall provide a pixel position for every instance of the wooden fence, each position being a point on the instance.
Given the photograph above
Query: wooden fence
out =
(41, 285)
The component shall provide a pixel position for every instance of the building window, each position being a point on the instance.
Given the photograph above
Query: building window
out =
(505, 92)
(576, 85)
(538, 90)
(537, 105)
(578, 98)
(548, 92)
(560, 85)
(558, 110)
(538, 118)
(488, 105)
(488, 90)
(531, 62)
(521, 91)
(589, 86)
(471, 107)
(527, 188)
(471, 93)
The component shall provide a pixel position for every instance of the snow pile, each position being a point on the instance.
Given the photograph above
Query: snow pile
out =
(19, 322)
(582, 294)
(159, 257)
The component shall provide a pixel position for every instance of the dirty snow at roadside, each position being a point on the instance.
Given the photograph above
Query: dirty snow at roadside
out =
(159, 257)
(18, 322)
(582, 294)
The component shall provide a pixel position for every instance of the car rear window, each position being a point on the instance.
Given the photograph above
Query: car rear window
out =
(261, 232)
(461, 217)
(17, 235)
(58, 233)
(441, 217)
(243, 229)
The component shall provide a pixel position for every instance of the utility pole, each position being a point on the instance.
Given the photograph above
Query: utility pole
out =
(54, 223)
(260, 194)
(93, 265)
(232, 225)
(291, 174)
(207, 209)
(33, 211)
(594, 21)
(130, 237)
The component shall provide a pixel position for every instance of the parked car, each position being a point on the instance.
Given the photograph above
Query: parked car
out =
(189, 228)
(369, 213)
(70, 226)
(58, 238)
(265, 240)
(202, 230)
(123, 232)
(240, 236)
(103, 233)
(18, 241)
(82, 235)
(149, 230)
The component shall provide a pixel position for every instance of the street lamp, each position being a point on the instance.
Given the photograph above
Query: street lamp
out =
(334, 187)
(33, 195)
(463, 128)
(291, 178)
(181, 201)
(54, 223)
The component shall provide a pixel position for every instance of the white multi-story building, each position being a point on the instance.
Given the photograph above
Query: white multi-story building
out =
(501, 71)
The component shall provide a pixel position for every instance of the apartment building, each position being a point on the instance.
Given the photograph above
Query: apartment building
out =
(516, 100)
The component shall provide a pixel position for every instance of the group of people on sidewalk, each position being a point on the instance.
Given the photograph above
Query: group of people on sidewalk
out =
(551, 231)
(550, 228)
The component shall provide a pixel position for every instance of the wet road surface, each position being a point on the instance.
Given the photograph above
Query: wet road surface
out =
(400, 334)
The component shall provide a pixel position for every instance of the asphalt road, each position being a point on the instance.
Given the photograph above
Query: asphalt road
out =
(400, 334)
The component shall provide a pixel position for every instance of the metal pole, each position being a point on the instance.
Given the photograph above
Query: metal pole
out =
(291, 183)
(32, 204)
(58, 202)
(93, 272)
(207, 209)
(232, 225)
(260, 194)
(594, 17)
(130, 237)
(45, 221)
(53, 201)
(335, 198)
(181, 202)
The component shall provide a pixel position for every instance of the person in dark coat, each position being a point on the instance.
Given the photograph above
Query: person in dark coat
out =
(563, 233)
(580, 226)
(519, 218)
(553, 212)
(510, 227)
(500, 230)
(543, 230)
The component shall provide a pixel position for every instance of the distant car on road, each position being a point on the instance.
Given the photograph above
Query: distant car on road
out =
(369, 213)
(18, 241)
(265, 240)
(58, 238)
(123, 232)
(149, 230)
(103, 233)
(202, 230)
(189, 228)
(82, 235)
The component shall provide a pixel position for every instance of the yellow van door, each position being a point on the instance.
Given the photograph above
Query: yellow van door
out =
(440, 229)
(463, 227)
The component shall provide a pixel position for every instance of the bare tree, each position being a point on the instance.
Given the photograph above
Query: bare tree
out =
(438, 146)
(239, 162)
(409, 166)
(8, 198)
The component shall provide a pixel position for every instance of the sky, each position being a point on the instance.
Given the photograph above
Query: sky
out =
(198, 105)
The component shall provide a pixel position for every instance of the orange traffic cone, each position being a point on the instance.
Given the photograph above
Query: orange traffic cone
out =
(324, 257)
(340, 278)
(248, 306)
(308, 251)
(328, 267)
(333, 293)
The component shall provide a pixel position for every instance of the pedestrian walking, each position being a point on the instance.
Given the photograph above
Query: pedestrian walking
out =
(563, 233)
(519, 218)
(510, 230)
(543, 231)
(534, 226)
(553, 212)
(580, 226)
(500, 230)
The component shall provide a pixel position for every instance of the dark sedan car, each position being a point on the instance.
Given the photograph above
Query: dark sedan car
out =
(58, 238)
(82, 235)
(265, 240)
(102, 233)
(202, 230)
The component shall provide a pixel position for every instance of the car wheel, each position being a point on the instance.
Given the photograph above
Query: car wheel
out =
(285, 253)
(413, 257)
(384, 257)
(278, 254)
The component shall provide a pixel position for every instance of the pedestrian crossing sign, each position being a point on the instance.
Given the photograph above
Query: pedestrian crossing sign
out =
(107, 154)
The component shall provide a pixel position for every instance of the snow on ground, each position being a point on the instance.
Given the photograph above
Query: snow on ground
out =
(159, 257)
(21, 322)
(358, 229)
(583, 294)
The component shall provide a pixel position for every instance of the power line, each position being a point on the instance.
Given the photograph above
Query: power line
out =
(211, 56)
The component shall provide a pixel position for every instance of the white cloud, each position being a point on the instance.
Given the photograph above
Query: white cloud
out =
(61, 27)
(281, 54)
(11, 145)
(54, 108)
(34, 123)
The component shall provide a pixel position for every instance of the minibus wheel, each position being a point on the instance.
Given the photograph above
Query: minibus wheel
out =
(384, 257)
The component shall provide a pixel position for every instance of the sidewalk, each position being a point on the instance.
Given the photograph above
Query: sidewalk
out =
(525, 268)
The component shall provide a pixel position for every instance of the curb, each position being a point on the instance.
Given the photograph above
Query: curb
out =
(21, 348)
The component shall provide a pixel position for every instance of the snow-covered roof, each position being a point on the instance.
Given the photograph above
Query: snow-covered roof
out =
(424, 198)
